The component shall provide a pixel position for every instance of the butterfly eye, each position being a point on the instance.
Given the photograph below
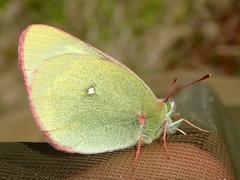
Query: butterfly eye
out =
(170, 106)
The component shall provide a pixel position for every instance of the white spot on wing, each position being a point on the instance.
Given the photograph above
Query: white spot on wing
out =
(91, 90)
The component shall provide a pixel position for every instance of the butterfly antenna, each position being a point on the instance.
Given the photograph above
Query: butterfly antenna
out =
(177, 90)
(166, 95)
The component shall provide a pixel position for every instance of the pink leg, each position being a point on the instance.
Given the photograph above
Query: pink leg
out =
(181, 131)
(137, 152)
(164, 137)
(186, 121)
(141, 118)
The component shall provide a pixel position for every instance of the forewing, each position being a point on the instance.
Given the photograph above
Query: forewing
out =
(40, 42)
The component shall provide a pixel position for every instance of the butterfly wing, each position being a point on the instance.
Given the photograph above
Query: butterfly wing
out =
(82, 100)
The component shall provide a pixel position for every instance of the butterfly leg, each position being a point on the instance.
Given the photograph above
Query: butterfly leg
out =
(172, 127)
(141, 118)
(165, 131)
(137, 152)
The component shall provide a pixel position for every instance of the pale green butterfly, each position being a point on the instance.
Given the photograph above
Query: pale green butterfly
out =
(85, 101)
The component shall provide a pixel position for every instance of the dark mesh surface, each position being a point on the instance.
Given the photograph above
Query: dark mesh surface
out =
(194, 156)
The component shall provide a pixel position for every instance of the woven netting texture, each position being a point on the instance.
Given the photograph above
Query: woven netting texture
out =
(195, 156)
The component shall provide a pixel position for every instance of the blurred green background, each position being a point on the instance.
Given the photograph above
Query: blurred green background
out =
(155, 38)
